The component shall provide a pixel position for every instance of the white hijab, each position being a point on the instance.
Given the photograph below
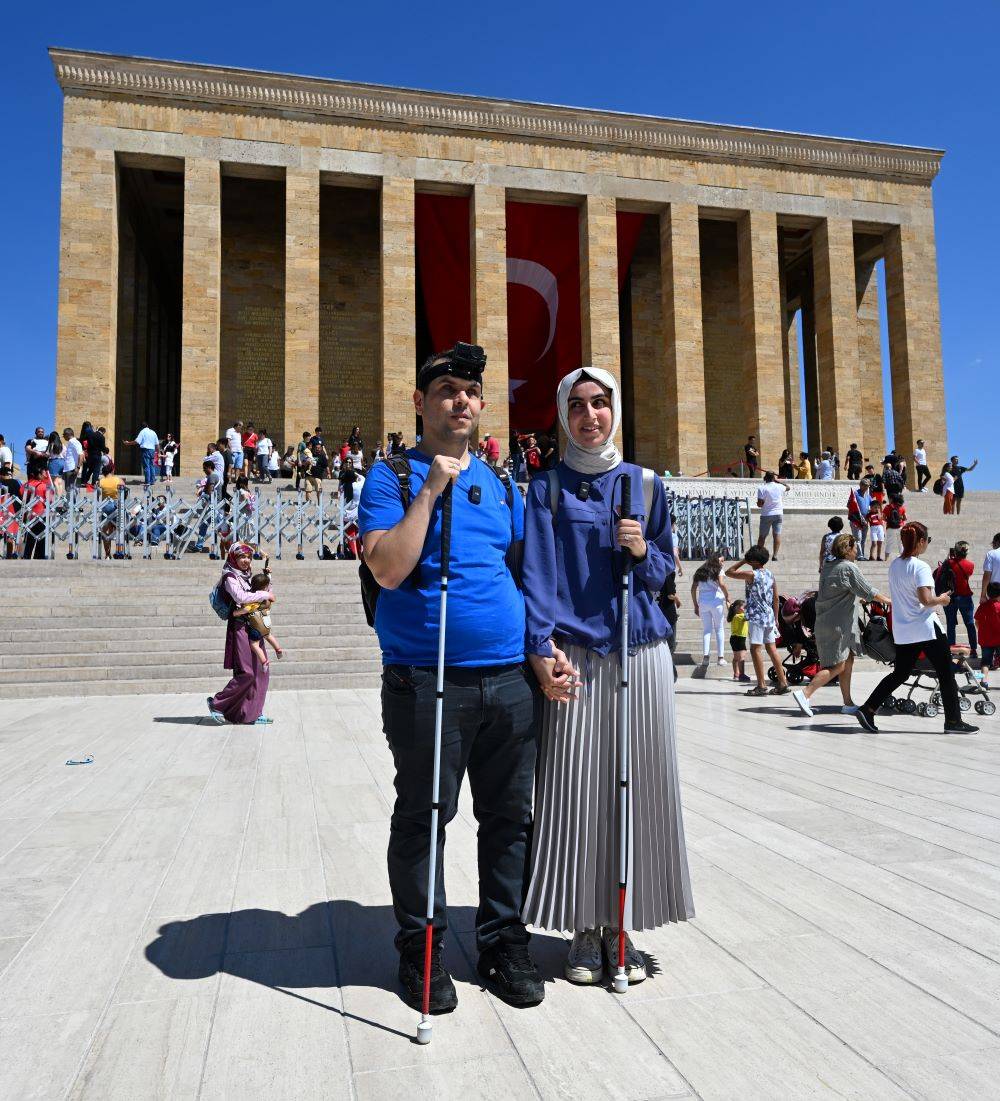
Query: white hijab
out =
(605, 456)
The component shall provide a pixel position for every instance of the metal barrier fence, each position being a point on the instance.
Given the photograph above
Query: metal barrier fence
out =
(142, 524)
(706, 524)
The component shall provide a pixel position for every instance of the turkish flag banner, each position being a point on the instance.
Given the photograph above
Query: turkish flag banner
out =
(543, 292)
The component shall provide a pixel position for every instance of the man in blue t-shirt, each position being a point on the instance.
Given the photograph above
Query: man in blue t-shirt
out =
(491, 703)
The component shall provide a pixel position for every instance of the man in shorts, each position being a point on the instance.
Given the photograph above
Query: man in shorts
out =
(771, 504)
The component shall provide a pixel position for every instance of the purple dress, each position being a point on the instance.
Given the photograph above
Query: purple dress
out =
(242, 700)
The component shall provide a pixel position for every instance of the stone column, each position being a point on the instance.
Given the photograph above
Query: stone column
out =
(489, 305)
(301, 303)
(835, 301)
(599, 284)
(399, 331)
(760, 321)
(200, 318)
(872, 442)
(88, 290)
(915, 341)
(680, 274)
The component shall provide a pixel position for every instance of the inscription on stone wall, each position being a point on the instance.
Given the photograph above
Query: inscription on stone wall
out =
(260, 358)
(350, 314)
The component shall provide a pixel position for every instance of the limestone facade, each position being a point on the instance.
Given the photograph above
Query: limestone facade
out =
(310, 292)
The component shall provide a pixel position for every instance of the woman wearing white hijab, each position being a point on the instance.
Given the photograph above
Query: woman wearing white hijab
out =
(573, 554)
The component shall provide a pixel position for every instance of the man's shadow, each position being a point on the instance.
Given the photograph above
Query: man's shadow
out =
(328, 945)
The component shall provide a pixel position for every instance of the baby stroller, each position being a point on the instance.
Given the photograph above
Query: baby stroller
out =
(876, 637)
(796, 622)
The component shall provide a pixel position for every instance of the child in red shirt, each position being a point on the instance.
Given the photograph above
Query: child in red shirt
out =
(988, 626)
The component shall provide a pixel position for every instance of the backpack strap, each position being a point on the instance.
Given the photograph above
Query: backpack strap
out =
(399, 464)
(552, 476)
(648, 483)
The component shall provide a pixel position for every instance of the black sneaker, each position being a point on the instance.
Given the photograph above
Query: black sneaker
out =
(411, 978)
(960, 726)
(865, 720)
(512, 974)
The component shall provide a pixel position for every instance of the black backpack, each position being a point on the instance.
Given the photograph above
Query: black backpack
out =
(892, 480)
(894, 520)
(400, 466)
(938, 486)
(944, 578)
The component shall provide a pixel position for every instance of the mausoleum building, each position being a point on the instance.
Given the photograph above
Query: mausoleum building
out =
(249, 245)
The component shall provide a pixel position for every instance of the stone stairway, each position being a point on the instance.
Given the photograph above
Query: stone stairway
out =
(111, 628)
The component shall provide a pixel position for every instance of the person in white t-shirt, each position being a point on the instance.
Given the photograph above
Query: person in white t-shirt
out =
(991, 567)
(770, 501)
(948, 489)
(234, 437)
(920, 464)
(265, 449)
(6, 455)
(916, 631)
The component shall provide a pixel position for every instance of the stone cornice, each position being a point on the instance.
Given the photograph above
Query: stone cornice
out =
(87, 73)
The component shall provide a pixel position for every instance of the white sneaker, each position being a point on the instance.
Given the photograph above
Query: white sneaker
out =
(584, 964)
(635, 962)
(722, 661)
(802, 703)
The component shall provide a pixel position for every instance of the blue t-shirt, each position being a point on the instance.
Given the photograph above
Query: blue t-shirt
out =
(485, 608)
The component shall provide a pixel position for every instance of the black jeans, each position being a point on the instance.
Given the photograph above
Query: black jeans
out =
(939, 655)
(489, 728)
(923, 476)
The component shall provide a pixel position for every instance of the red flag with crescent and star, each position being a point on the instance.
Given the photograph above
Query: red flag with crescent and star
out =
(543, 291)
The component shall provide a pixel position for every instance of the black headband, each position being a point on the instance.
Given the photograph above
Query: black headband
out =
(465, 361)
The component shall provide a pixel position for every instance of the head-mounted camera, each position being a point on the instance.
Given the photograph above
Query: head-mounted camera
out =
(466, 361)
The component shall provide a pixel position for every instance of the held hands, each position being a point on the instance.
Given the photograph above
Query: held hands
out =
(557, 677)
(628, 535)
(443, 470)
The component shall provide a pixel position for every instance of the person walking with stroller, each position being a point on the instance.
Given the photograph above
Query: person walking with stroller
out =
(762, 617)
(711, 602)
(576, 545)
(842, 588)
(916, 631)
(490, 703)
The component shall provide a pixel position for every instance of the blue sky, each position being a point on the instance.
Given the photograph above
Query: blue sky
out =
(910, 73)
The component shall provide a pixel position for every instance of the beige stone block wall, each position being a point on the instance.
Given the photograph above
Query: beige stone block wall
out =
(201, 311)
(88, 289)
(350, 314)
(684, 378)
(835, 300)
(760, 315)
(915, 342)
(725, 421)
(399, 338)
(302, 263)
(646, 355)
(872, 442)
(599, 284)
(489, 305)
(252, 355)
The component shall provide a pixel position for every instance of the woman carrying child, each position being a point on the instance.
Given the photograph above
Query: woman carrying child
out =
(242, 700)
(258, 618)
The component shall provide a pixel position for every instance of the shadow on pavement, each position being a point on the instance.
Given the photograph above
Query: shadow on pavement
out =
(328, 945)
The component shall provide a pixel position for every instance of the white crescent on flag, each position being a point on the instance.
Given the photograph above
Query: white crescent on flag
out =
(541, 280)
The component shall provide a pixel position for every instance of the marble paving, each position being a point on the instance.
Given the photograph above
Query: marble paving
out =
(203, 912)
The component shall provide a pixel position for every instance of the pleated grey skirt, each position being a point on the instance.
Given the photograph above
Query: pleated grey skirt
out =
(574, 856)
